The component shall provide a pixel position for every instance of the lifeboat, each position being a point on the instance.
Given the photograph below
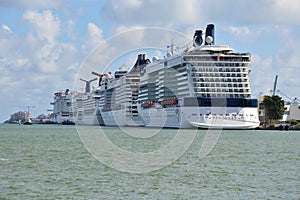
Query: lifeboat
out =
(169, 102)
(148, 104)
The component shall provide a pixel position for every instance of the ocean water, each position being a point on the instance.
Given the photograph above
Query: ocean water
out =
(55, 162)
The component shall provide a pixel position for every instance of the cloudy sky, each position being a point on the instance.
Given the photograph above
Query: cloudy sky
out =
(44, 43)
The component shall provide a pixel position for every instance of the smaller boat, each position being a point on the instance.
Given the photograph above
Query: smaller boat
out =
(67, 122)
(27, 122)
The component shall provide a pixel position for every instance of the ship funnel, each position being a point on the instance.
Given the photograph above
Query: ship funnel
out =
(141, 60)
(88, 84)
(210, 34)
(198, 40)
(140, 63)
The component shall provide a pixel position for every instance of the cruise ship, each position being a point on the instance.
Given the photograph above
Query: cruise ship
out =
(62, 107)
(85, 106)
(119, 94)
(205, 86)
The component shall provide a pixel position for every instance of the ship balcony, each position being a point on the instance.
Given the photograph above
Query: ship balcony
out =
(183, 93)
(181, 74)
(160, 96)
(170, 81)
(181, 78)
(159, 82)
(143, 96)
(158, 93)
(160, 90)
(181, 83)
(144, 90)
(182, 88)
(160, 86)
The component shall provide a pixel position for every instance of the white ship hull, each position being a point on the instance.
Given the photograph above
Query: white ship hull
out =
(87, 119)
(119, 118)
(195, 117)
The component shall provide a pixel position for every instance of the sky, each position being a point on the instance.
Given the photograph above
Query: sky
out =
(45, 44)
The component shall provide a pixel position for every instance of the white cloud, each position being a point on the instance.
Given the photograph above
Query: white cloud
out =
(6, 28)
(262, 74)
(94, 36)
(35, 64)
(152, 12)
(239, 30)
(45, 24)
(31, 4)
(174, 13)
(71, 29)
(285, 63)
(287, 10)
(134, 3)
(243, 33)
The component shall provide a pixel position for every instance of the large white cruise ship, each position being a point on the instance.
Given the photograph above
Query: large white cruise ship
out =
(118, 95)
(205, 86)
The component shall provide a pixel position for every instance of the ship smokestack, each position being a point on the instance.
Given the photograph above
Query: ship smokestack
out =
(88, 84)
(210, 33)
(198, 40)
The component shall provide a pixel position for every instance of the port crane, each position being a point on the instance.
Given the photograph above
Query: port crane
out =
(275, 90)
(275, 85)
(28, 107)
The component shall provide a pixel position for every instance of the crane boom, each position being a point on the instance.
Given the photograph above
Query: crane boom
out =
(275, 85)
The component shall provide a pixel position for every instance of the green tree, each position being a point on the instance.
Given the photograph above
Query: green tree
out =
(274, 107)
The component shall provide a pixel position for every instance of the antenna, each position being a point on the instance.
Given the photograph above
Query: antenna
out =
(88, 84)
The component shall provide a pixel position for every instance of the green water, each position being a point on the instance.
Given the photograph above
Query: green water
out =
(51, 162)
